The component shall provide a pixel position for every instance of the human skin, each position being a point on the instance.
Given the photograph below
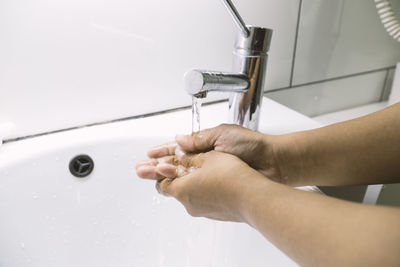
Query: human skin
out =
(361, 151)
(314, 230)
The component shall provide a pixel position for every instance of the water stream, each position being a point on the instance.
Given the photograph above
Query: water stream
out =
(196, 108)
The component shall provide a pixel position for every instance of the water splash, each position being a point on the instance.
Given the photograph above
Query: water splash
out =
(156, 200)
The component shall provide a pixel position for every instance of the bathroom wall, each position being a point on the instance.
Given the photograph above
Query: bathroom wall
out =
(69, 63)
(343, 57)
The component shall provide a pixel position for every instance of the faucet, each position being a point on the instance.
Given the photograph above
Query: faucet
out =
(246, 82)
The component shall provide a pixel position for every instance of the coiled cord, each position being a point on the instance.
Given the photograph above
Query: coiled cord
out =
(388, 18)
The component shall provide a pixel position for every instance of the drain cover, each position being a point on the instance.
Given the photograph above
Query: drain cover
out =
(81, 166)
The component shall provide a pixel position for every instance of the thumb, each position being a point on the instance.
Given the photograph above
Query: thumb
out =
(202, 141)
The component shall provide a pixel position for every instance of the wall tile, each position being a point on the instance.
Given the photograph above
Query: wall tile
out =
(388, 84)
(320, 98)
(390, 195)
(66, 63)
(342, 37)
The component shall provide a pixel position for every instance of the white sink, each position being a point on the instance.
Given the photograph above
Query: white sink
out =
(112, 218)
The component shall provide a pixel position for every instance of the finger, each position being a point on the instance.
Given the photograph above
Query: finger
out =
(163, 186)
(163, 150)
(167, 170)
(199, 142)
(172, 171)
(176, 188)
(147, 162)
(167, 160)
(149, 172)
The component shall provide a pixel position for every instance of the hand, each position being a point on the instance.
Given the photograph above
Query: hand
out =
(256, 149)
(211, 185)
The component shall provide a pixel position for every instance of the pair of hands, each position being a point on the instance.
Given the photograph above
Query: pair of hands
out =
(209, 172)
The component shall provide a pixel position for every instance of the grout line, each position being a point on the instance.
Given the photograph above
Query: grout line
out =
(330, 79)
(383, 92)
(295, 43)
(186, 107)
(112, 121)
(277, 90)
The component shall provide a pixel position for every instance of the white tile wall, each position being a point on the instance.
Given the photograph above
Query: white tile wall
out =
(66, 63)
(341, 37)
(333, 95)
(388, 84)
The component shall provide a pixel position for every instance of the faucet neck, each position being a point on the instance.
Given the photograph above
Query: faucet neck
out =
(256, 43)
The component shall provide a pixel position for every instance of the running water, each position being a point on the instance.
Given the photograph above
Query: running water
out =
(196, 108)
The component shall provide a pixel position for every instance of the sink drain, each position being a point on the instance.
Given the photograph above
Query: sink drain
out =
(81, 166)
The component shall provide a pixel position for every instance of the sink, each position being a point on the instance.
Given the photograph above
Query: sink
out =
(112, 218)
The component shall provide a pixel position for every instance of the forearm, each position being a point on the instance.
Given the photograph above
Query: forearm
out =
(360, 151)
(316, 230)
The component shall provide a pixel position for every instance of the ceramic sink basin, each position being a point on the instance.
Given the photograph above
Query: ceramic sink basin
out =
(111, 218)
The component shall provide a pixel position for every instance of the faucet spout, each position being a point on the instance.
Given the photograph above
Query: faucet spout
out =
(199, 82)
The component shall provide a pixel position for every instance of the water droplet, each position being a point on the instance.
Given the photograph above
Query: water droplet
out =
(34, 195)
(156, 200)
(22, 244)
(54, 196)
(133, 221)
(95, 223)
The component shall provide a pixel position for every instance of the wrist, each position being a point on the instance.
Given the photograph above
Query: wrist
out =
(249, 194)
(257, 198)
(290, 153)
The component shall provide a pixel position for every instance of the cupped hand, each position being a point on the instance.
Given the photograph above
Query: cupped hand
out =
(211, 184)
(256, 149)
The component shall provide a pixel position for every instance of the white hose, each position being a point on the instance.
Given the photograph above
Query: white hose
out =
(388, 18)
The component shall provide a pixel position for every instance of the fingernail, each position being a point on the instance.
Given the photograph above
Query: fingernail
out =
(145, 172)
(167, 170)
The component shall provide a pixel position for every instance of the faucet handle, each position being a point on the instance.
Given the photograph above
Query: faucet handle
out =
(236, 17)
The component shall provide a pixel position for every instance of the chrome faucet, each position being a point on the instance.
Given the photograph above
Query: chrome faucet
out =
(246, 82)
